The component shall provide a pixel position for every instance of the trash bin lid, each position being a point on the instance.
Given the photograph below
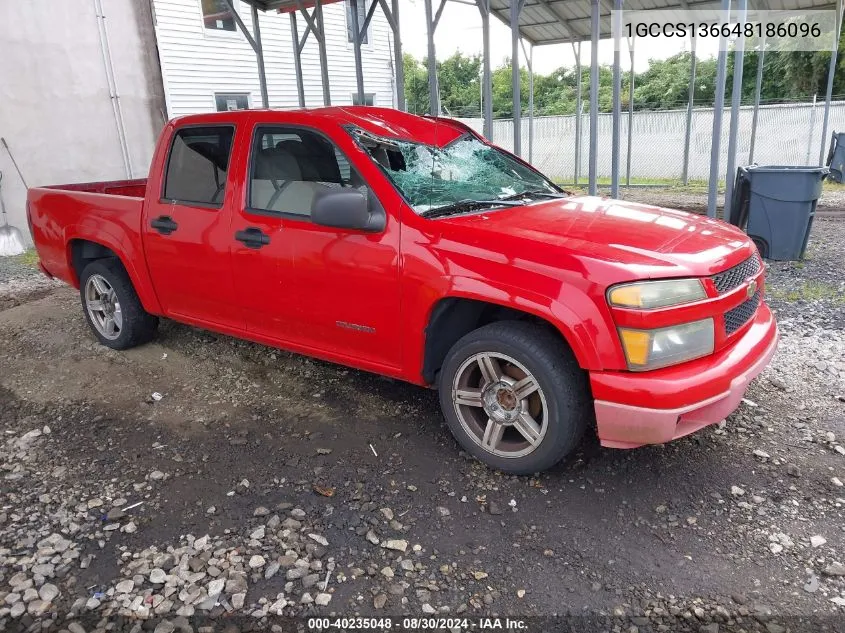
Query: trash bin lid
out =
(803, 169)
(787, 183)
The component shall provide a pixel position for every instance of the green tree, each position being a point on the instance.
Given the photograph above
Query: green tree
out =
(416, 85)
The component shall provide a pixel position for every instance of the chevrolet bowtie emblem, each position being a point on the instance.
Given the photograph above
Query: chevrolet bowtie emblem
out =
(751, 290)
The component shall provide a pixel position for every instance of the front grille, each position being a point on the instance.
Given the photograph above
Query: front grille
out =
(739, 316)
(733, 277)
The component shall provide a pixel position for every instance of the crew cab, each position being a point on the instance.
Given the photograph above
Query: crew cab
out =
(412, 247)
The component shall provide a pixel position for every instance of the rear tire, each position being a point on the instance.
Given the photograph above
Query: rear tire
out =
(112, 307)
(514, 396)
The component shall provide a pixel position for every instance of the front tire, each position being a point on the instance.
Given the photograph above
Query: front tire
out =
(112, 307)
(514, 396)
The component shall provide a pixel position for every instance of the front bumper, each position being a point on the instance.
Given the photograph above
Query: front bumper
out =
(694, 394)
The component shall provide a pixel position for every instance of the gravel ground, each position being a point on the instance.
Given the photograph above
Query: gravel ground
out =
(201, 480)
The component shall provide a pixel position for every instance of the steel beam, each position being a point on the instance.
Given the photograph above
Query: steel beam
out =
(736, 96)
(531, 103)
(356, 45)
(578, 110)
(631, 43)
(486, 75)
(617, 101)
(718, 107)
(516, 7)
(255, 43)
(320, 33)
(259, 55)
(315, 26)
(297, 59)
(398, 61)
(433, 90)
(690, 106)
(594, 96)
(830, 73)
(758, 88)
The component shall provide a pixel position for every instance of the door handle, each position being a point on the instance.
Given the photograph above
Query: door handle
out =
(252, 237)
(164, 224)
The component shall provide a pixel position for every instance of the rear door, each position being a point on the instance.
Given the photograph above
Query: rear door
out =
(187, 230)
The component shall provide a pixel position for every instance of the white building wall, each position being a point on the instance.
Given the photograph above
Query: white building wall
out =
(56, 112)
(198, 62)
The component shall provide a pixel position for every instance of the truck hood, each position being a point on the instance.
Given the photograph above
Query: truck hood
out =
(644, 241)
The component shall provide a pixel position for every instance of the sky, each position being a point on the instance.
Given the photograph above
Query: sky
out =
(460, 30)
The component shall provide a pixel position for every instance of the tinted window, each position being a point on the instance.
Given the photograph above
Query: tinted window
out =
(217, 16)
(199, 160)
(290, 166)
(350, 25)
(228, 101)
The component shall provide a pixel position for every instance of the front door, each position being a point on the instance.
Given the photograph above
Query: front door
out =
(331, 292)
(187, 232)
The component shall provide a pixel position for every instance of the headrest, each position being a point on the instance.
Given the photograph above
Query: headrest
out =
(275, 163)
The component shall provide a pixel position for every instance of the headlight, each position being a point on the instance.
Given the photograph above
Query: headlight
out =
(656, 294)
(650, 349)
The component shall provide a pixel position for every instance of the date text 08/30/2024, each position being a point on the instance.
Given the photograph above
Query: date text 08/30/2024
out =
(416, 624)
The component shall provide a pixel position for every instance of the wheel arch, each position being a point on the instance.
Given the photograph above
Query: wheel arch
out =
(82, 249)
(452, 317)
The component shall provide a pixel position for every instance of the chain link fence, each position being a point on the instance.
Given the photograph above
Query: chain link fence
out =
(787, 134)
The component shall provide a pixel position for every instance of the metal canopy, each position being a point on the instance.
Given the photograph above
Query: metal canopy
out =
(283, 6)
(539, 23)
(543, 22)
(311, 11)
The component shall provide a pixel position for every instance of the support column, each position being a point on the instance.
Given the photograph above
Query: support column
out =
(433, 91)
(486, 76)
(324, 61)
(297, 60)
(356, 46)
(578, 113)
(718, 107)
(517, 106)
(617, 100)
(594, 95)
(531, 103)
(690, 105)
(398, 61)
(830, 73)
(259, 55)
(630, 112)
(758, 88)
(736, 96)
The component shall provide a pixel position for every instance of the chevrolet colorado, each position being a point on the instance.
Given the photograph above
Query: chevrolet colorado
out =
(412, 247)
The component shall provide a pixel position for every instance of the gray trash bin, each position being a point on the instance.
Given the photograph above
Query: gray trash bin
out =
(836, 157)
(775, 205)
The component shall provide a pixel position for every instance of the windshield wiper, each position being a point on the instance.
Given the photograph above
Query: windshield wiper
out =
(536, 192)
(462, 206)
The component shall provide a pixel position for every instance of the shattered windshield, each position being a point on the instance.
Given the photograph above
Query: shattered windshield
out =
(464, 175)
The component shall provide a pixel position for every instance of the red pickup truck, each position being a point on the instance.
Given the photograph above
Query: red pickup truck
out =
(411, 247)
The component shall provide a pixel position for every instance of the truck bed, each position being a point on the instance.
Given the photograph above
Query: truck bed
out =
(108, 213)
(136, 188)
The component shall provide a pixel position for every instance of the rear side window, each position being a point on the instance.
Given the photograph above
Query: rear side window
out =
(198, 164)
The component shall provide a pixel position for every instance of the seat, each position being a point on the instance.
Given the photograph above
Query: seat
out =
(274, 169)
(278, 183)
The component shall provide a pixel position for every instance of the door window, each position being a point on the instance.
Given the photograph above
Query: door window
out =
(198, 164)
(290, 166)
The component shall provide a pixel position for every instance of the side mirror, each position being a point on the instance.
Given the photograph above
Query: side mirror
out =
(346, 208)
